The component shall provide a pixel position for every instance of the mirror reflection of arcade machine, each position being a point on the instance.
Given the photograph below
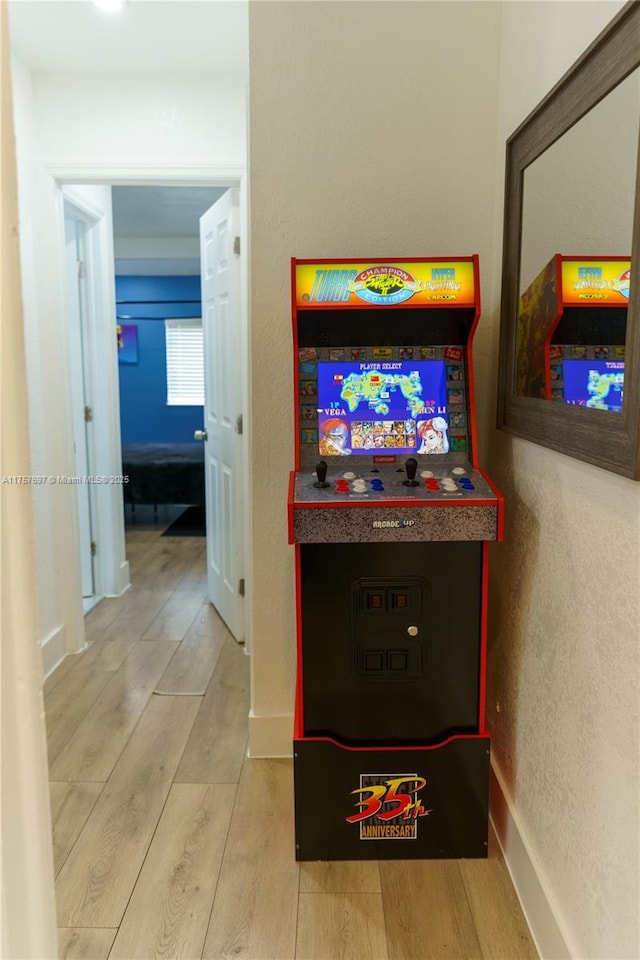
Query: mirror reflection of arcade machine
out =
(391, 517)
(572, 324)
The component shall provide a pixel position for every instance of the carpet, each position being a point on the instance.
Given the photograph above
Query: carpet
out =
(190, 523)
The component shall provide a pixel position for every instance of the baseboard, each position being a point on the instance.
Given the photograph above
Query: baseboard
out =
(88, 603)
(124, 579)
(122, 584)
(270, 736)
(53, 650)
(526, 874)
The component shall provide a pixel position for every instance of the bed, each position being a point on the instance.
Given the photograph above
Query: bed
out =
(163, 473)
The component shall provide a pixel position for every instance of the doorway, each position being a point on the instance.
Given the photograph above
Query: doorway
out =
(156, 277)
(160, 348)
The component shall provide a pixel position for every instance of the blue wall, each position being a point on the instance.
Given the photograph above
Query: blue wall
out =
(144, 414)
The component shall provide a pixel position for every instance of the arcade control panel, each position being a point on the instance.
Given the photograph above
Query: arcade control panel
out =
(396, 481)
(390, 502)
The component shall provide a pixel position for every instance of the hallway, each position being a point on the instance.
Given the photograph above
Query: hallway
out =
(169, 843)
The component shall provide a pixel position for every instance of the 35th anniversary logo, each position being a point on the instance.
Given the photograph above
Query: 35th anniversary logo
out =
(390, 806)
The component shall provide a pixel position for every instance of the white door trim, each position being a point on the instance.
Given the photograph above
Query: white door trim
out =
(234, 175)
(140, 174)
(79, 331)
(111, 569)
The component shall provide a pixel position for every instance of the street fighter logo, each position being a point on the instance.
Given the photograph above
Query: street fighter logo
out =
(390, 806)
(591, 285)
(622, 283)
(383, 285)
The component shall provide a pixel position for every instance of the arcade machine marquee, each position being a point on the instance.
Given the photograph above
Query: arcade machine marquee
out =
(391, 517)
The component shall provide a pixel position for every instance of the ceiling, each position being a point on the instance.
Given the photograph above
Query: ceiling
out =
(161, 212)
(144, 215)
(167, 36)
(177, 36)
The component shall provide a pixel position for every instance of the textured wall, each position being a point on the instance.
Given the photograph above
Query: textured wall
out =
(564, 660)
(28, 927)
(372, 133)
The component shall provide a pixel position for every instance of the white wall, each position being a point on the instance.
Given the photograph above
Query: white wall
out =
(82, 128)
(372, 133)
(28, 919)
(51, 442)
(149, 120)
(564, 658)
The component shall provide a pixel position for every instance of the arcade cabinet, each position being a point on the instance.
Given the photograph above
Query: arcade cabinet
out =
(391, 518)
(571, 333)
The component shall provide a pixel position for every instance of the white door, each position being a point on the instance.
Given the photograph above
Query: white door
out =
(74, 243)
(220, 273)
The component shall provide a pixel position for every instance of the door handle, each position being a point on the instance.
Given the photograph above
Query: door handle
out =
(200, 435)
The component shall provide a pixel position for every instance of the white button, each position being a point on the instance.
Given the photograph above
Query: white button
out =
(349, 476)
(458, 470)
(426, 473)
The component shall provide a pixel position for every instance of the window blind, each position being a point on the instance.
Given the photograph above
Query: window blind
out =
(185, 362)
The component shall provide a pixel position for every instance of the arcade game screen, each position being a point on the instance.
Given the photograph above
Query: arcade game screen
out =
(398, 407)
(594, 383)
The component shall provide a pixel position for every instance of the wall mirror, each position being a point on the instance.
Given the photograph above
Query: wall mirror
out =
(569, 373)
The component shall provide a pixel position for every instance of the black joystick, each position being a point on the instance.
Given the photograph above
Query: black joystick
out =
(411, 466)
(321, 474)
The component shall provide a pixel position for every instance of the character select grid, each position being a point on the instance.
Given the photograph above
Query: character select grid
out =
(376, 432)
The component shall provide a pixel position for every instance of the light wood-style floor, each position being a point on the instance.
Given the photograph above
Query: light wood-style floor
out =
(169, 842)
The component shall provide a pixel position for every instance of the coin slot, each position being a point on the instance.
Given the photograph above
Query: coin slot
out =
(374, 600)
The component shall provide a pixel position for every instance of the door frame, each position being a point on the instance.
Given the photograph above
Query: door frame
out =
(111, 570)
(83, 373)
(65, 177)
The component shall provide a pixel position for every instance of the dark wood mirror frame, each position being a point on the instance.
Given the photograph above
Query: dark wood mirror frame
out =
(608, 440)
